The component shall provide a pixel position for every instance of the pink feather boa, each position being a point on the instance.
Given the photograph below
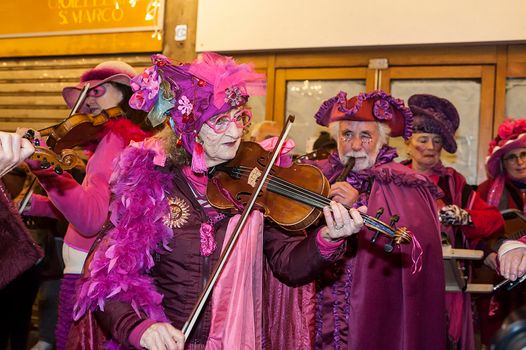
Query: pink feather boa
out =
(123, 259)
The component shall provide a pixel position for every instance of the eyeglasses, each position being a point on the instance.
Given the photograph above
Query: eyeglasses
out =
(515, 158)
(97, 91)
(221, 123)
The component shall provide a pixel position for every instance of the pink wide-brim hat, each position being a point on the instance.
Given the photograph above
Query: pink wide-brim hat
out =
(494, 160)
(114, 71)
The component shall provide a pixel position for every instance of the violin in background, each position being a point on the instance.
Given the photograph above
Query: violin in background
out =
(76, 130)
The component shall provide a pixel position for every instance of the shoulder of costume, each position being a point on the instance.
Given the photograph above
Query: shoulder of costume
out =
(403, 176)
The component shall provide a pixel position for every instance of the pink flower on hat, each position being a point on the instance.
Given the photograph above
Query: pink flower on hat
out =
(185, 106)
(506, 129)
(234, 97)
(382, 110)
(146, 89)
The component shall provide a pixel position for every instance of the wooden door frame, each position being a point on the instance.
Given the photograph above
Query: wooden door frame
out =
(286, 74)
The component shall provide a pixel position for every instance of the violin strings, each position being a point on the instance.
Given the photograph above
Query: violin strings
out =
(281, 186)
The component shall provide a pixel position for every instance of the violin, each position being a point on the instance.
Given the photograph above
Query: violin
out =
(251, 177)
(292, 197)
(78, 129)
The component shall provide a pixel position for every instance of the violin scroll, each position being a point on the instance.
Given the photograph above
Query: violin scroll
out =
(67, 159)
(403, 236)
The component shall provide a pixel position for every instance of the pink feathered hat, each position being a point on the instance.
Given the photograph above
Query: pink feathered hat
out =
(115, 71)
(191, 94)
(510, 135)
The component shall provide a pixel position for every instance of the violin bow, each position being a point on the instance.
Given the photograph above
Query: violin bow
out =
(218, 268)
(80, 99)
(78, 103)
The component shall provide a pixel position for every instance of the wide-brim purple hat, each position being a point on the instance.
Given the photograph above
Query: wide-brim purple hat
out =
(435, 115)
(114, 71)
(511, 134)
(375, 106)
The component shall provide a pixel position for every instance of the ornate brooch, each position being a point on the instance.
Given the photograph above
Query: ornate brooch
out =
(179, 213)
(234, 96)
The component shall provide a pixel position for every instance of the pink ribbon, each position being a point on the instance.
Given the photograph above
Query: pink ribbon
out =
(208, 243)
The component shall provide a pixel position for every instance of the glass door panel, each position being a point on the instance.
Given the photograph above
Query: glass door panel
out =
(301, 92)
(516, 98)
(471, 89)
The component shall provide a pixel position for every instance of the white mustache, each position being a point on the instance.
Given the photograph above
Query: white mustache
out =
(356, 155)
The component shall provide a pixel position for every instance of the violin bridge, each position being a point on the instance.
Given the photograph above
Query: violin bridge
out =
(255, 174)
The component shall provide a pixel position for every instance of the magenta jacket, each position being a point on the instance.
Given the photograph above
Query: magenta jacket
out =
(141, 271)
(181, 272)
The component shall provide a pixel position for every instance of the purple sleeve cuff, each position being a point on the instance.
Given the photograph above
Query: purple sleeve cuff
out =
(327, 249)
(138, 331)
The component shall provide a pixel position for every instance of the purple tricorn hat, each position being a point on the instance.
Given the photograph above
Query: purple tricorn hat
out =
(435, 115)
(191, 94)
(372, 106)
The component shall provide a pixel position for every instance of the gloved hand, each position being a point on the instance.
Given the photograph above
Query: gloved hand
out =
(453, 215)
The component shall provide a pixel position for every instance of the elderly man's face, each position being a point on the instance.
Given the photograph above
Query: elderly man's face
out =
(359, 140)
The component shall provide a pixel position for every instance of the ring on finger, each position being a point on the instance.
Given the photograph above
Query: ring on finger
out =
(338, 227)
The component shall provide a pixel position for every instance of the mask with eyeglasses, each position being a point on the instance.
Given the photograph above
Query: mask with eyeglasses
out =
(221, 123)
(515, 158)
(97, 91)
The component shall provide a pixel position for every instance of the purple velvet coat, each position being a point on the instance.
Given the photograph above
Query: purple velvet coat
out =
(179, 274)
(372, 299)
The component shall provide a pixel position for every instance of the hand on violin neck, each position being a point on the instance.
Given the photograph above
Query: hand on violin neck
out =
(342, 192)
(341, 222)
(28, 133)
(13, 150)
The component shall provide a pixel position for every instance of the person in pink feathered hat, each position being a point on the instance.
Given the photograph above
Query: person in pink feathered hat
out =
(85, 206)
(506, 189)
(164, 237)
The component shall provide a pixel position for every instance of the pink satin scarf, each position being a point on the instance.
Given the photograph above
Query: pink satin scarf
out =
(237, 297)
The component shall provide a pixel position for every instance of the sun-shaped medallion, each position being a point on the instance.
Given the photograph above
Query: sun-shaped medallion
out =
(179, 213)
